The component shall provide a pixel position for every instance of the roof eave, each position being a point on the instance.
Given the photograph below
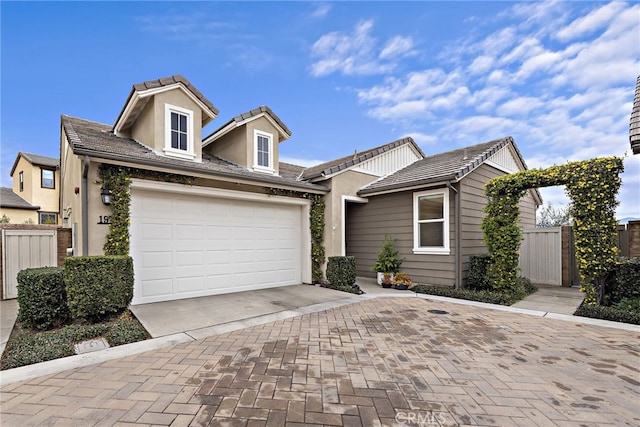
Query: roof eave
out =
(396, 188)
(123, 159)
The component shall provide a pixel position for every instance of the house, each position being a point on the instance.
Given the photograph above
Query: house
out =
(634, 123)
(221, 213)
(34, 196)
(237, 224)
(14, 209)
(434, 210)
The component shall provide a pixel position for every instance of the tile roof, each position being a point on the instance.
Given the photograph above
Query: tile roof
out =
(337, 165)
(158, 83)
(97, 140)
(451, 165)
(9, 199)
(634, 123)
(263, 109)
(37, 160)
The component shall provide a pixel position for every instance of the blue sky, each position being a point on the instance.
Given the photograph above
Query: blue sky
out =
(557, 76)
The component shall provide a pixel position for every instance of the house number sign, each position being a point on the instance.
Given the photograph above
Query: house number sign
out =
(104, 219)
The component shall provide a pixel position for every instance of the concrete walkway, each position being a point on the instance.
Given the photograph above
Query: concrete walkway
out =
(382, 360)
(8, 315)
(553, 299)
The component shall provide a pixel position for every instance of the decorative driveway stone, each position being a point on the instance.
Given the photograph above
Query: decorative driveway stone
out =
(381, 362)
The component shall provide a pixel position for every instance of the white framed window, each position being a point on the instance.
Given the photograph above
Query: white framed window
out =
(178, 132)
(21, 179)
(431, 222)
(263, 151)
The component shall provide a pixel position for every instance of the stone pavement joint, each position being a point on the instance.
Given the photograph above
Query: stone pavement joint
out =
(383, 361)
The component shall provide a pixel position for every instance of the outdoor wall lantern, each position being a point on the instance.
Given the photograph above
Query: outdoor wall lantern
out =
(106, 196)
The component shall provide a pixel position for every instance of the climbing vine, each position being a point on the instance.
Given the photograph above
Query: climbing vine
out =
(118, 180)
(592, 185)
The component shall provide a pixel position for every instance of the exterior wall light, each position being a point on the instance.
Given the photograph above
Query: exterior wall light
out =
(106, 196)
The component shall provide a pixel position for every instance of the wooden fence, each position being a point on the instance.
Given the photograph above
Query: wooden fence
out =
(548, 256)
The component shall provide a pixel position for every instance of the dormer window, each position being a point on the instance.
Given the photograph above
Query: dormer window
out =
(263, 151)
(178, 132)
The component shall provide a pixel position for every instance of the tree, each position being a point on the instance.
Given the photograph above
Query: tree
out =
(548, 216)
(5, 219)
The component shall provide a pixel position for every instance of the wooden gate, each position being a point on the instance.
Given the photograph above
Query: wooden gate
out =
(25, 249)
(541, 255)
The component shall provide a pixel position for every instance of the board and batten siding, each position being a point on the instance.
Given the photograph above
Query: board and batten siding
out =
(472, 204)
(392, 214)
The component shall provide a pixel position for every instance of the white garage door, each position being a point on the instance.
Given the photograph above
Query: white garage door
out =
(186, 246)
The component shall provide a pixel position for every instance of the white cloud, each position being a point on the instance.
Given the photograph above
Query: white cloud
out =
(423, 138)
(300, 161)
(592, 22)
(397, 46)
(321, 10)
(357, 53)
(520, 106)
(481, 64)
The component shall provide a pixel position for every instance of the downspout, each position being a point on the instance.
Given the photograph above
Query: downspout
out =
(457, 234)
(85, 206)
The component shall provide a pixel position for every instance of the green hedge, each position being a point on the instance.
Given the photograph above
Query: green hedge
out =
(522, 289)
(609, 313)
(341, 270)
(98, 286)
(42, 298)
(624, 282)
(478, 265)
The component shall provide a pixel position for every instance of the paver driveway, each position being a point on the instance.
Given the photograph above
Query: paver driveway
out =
(385, 361)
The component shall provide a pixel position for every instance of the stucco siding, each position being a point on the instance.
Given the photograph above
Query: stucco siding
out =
(71, 208)
(20, 216)
(231, 147)
(368, 223)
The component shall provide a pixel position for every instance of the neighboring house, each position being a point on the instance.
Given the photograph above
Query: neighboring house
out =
(16, 209)
(434, 209)
(634, 123)
(239, 222)
(36, 180)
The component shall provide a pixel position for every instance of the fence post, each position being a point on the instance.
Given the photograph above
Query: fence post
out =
(633, 228)
(567, 255)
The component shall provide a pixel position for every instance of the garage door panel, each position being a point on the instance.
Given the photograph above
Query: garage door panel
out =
(156, 288)
(187, 285)
(189, 258)
(156, 259)
(189, 246)
(155, 231)
(189, 232)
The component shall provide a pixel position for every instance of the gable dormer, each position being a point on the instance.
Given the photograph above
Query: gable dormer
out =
(167, 115)
(250, 140)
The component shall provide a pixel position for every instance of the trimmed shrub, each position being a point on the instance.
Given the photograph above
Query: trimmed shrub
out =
(126, 331)
(478, 265)
(629, 304)
(609, 313)
(42, 298)
(98, 286)
(341, 270)
(624, 281)
(490, 297)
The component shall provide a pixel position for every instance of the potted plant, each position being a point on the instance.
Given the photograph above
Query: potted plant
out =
(402, 281)
(387, 280)
(388, 260)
